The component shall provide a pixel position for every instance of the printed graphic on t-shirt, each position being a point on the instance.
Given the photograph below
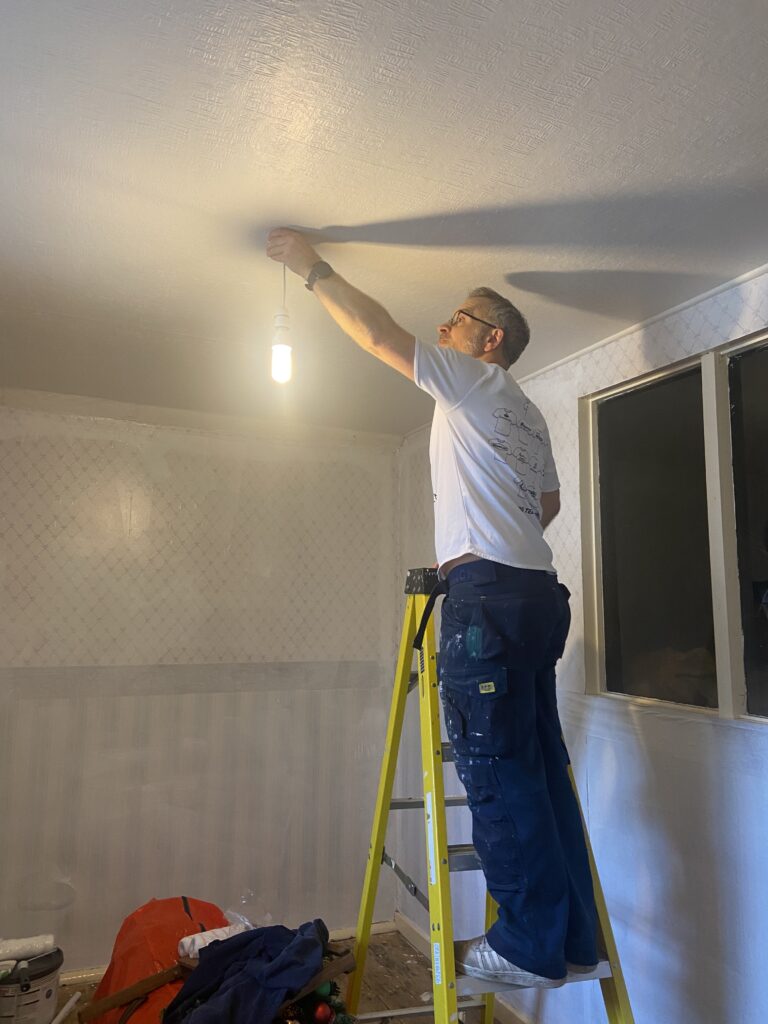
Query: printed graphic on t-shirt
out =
(520, 447)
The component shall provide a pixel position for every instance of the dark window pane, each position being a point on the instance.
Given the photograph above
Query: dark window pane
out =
(659, 635)
(749, 423)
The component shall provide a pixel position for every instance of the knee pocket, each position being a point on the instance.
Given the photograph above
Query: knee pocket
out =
(494, 832)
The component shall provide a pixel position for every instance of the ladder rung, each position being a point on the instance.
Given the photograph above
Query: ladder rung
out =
(463, 857)
(405, 803)
(426, 1010)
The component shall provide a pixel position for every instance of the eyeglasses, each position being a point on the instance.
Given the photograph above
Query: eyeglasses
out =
(462, 312)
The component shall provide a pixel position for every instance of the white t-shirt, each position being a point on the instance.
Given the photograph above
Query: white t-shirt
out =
(491, 458)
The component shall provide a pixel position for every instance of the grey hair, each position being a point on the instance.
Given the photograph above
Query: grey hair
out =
(517, 334)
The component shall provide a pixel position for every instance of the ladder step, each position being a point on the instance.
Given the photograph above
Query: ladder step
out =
(469, 992)
(427, 1010)
(463, 857)
(603, 970)
(404, 803)
(466, 986)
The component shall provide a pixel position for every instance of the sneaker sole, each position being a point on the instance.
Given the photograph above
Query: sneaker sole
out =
(521, 978)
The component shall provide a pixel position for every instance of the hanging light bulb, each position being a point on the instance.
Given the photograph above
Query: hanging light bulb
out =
(282, 357)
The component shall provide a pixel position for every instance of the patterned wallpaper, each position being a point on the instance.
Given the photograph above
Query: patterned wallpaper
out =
(128, 544)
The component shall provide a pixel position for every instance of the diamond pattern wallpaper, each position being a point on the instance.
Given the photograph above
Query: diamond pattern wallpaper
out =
(127, 545)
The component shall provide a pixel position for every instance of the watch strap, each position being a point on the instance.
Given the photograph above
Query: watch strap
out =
(320, 270)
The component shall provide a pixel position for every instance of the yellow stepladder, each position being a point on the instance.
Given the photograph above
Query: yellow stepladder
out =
(451, 995)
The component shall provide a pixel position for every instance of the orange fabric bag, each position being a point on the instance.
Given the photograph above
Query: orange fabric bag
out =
(148, 942)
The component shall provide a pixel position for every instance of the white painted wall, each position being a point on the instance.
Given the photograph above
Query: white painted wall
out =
(676, 800)
(196, 641)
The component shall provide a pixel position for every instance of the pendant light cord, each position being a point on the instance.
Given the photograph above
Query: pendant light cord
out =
(283, 286)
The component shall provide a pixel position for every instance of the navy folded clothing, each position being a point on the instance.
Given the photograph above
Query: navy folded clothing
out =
(245, 979)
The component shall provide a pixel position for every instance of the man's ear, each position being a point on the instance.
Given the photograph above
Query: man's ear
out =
(495, 340)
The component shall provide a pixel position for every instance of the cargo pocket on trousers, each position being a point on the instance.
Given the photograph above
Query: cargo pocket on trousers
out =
(478, 713)
(494, 833)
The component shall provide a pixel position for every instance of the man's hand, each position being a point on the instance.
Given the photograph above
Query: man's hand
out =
(361, 317)
(550, 506)
(292, 249)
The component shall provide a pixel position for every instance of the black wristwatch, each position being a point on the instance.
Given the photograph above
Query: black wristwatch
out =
(320, 270)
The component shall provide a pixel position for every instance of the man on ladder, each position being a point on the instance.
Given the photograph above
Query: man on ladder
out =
(505, 619)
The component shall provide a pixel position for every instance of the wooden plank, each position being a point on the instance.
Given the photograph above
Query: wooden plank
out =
(128, 995)
(343, 965)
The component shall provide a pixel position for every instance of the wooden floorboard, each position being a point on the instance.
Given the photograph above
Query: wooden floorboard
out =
(396, 975)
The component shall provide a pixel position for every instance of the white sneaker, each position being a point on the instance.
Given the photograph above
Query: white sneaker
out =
(476, 958)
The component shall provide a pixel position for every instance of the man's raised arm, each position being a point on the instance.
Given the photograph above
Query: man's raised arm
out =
(365, 321)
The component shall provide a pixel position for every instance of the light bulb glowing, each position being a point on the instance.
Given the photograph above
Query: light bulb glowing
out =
(282, 359)
(282, 363)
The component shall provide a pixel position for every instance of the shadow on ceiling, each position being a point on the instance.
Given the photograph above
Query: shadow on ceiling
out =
(676, 225)
(686, 220)
(614, 293)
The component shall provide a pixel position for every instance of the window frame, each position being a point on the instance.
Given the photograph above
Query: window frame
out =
(721, 518)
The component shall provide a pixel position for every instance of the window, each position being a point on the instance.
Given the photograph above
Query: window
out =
(749, 431)
(659, 638)
(675, 530)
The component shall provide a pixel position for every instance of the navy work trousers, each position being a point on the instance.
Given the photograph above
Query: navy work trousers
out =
(502, 631)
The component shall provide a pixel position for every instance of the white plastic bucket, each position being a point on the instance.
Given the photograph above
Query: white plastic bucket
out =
(32, 999)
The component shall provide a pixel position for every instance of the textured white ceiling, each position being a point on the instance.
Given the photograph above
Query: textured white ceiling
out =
(598, 161)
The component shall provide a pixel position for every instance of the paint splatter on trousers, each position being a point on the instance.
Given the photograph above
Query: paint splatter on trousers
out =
(502, 631)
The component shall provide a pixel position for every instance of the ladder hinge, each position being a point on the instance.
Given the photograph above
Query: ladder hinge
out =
(407, 881)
